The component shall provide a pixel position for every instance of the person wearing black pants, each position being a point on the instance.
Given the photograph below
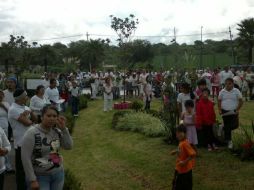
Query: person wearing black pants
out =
(230, 123)
(183, 181)
(209, 136)
(229, 104)
(20, 173)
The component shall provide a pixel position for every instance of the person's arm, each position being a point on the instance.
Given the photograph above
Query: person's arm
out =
(6, 146)
(66, 140)
(240, 104)
(198, 117)
(22, 118)
(219, 103)
(27, 148)
(34, 117)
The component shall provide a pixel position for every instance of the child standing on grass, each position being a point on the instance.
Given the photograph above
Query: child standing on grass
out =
(108, 94)
(188, 118)
(186, 94)
(184, 162)
(206, 118)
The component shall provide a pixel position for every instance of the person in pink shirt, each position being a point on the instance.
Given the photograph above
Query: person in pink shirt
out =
(215, 83)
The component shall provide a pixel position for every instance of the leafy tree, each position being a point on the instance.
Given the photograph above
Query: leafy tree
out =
(16, 52)
(47, 55)
(89, 53)
(137, 51)
(124, 29)
(246, 35)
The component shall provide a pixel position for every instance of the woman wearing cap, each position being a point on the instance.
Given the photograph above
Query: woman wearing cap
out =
(21, 118)
(38, 101)
(42, 161)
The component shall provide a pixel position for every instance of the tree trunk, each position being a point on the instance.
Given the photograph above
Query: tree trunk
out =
(45, 65)
(6, 64)
(250, 54)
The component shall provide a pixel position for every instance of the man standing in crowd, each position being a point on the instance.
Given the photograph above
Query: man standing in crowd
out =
(226, 73)
(11, 83)
(52, 94)
(21, 118)
(249, 77)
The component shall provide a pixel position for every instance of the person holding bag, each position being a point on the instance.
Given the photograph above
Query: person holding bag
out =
(42, 162)
(229, 104)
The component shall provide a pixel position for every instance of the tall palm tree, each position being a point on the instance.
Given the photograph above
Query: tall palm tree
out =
(246, 35)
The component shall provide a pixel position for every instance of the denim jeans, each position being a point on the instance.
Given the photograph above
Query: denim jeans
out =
(51, 182)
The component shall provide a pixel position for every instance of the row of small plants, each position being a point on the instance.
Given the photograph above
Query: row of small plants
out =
(83, 101)
(70, 181)
(148, 122)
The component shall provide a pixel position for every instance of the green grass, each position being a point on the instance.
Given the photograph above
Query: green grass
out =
(103, 158)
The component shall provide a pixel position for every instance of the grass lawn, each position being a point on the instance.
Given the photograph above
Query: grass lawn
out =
(106, 159)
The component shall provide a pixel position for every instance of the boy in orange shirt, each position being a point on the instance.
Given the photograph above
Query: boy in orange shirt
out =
(184, 162)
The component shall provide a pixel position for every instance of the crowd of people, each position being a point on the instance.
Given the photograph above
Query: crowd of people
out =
(38, 129)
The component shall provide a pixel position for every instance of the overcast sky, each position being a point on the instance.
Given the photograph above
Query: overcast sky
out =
(42, 19)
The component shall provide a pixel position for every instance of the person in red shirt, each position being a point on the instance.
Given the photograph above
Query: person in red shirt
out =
(206, 118)
(184, 162)
(64, 94)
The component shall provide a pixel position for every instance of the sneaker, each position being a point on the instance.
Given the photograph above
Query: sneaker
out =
(230, 145)
(75, 115)
(209, 148)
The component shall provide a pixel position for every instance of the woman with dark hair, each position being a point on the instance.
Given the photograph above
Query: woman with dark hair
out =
(229, 104)
(42, 162)
(38, 101)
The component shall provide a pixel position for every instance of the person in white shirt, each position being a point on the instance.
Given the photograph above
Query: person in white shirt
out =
(52, 94)
(249, 77)
(94, 84)
(229, 104)
(226, 73)
(108, 94)
(21, 118)
(142, 81)
(185, 94)
(38, 101)
(4, 107)
(11, 83)
(148, 93)
(5, 148)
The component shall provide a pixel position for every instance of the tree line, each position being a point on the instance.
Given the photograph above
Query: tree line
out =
(93, 53)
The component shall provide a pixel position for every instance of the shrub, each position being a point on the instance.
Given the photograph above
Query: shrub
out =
(87, 96)
(154, 113)
(116, 117)
(142, 123)
(137, 105)
(71, 182)
(70, 120)
(243, 141)
(82, 102)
